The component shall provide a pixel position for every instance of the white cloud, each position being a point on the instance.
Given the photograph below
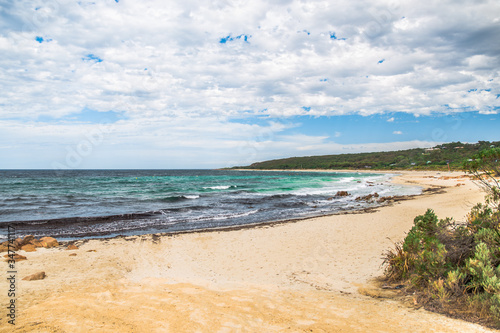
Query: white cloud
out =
(390, 120)
(397, 132)
(164, 67)
(279, 67)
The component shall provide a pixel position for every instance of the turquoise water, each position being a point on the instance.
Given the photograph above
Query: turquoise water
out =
(97, 203)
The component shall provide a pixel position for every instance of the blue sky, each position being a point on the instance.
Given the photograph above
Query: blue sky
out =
(466, 126)
(194, 84)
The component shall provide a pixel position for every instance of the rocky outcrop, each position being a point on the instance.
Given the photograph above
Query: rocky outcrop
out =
(17, 243)
(29, 244)
(49, 242)
(27, 240)
(4, 247)
(340, 194)
(28, 248)
(72, 247)
(376, 198)
(36, 243)
(368, 198)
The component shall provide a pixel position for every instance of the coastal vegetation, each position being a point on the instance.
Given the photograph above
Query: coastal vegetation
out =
(454, 267)
(441, 157)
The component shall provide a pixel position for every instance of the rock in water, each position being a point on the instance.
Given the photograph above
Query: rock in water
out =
(36, 276)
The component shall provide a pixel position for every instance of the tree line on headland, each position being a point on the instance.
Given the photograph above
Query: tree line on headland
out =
(441, 157)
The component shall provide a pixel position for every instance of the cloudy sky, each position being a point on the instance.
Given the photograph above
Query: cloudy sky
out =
(204, 84)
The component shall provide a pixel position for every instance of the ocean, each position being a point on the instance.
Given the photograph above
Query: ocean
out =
(72, 204)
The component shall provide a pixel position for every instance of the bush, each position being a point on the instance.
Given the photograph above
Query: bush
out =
(452, 266)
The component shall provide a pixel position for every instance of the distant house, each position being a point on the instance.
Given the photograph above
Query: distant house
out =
(413, 163)
(368, 167)
(459, 147)
(431, 149)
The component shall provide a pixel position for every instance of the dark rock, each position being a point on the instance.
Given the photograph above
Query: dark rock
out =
(369, 197)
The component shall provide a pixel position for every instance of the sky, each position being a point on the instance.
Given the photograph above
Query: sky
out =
(122, 84)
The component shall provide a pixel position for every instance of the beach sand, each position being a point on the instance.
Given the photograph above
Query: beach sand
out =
(312, 275)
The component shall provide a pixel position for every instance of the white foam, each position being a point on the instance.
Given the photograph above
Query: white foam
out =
(220, 187)
(229, 216)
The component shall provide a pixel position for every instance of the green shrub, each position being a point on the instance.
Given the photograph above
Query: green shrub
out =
(452, 265)
(485, 275)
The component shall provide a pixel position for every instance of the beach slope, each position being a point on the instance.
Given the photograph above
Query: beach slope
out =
(312, 275)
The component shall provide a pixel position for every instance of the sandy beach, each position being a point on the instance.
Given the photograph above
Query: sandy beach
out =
(311, 275)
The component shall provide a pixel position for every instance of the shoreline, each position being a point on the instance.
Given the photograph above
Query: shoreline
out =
(309, 275)
(365, 210)
(135, 215)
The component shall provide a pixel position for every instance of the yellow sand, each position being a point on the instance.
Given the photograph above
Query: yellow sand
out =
(305, 276)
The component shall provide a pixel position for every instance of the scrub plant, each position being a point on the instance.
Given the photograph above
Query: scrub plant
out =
(455, 267)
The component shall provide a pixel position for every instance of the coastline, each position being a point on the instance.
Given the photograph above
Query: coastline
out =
(312, 274)
(93, 226)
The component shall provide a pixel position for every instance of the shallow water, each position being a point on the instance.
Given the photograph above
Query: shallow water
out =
(101, 203)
